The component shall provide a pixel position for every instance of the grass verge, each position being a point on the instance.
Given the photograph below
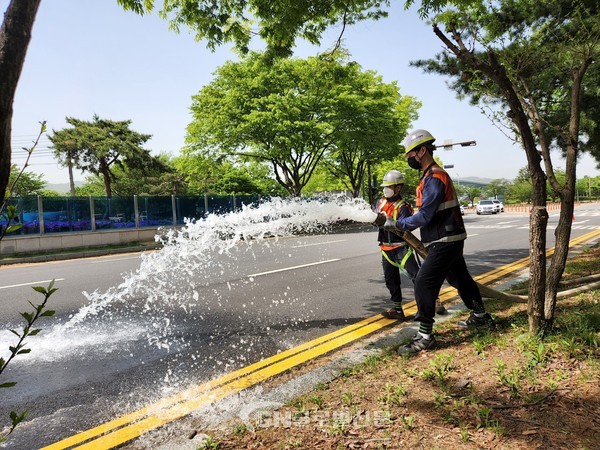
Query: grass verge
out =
(498, 388)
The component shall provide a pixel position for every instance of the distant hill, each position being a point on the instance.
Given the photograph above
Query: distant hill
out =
(62, 188)
(474, 181)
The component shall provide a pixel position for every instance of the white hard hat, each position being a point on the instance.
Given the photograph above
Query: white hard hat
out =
(392, 178)
(416, 138)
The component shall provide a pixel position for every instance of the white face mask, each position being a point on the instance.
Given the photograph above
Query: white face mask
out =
(388, 192)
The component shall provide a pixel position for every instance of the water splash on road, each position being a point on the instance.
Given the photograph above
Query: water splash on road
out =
(190, 257)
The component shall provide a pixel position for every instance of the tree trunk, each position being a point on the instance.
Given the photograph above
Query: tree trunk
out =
(538, 221)
(562, 236)
(15, 35)
(106, 176)
(71, 181)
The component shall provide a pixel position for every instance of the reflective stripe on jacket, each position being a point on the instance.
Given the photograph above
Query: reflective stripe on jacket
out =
(447, 223)
(387, 239)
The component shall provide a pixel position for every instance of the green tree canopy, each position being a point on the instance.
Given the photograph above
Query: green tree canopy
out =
(27, 183)
(293, 112)
(529, 61)
(161, 179)
(97, 146)
(206, 175)
(371, 119)
(471, 192)
(279, 23)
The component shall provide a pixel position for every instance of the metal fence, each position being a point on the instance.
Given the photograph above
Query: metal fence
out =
(45, 215)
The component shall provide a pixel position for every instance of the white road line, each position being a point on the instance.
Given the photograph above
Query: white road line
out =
(29, 284)
(319, 243)
(292, 268)
(113, 259)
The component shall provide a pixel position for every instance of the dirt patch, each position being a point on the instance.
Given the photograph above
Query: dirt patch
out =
(494, 388)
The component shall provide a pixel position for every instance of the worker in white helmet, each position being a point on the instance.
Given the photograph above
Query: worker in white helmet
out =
(396, 255)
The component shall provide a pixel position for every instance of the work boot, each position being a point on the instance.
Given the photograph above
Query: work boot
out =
(418, 344)
(476, 322)
(440, 310)
(394, 313)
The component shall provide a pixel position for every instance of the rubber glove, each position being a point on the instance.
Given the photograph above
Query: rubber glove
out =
(380, 220)
(390, 225)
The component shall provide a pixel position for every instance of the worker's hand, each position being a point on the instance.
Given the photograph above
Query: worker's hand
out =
(390, 225)
(380, 220)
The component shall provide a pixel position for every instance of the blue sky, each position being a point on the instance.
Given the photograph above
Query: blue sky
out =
(90, 57)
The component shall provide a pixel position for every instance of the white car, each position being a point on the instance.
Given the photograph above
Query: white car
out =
(499, 205)
(462, 210)
(486, 207)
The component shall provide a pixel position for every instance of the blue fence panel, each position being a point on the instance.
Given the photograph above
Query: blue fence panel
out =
(114, 212)
(155, 211)
(248, 200)
(220, 204)
(62, 214)
(29, 215)
(70, 214)
(189, 208)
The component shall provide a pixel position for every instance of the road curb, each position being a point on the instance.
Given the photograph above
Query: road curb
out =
(83, 253)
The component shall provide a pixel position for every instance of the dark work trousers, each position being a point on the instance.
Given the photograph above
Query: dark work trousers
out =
(391, 272)
(444, 260)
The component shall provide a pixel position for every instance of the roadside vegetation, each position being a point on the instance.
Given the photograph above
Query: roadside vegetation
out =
(501, 388)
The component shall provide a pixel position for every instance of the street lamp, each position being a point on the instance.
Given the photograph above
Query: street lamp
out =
(448, 144)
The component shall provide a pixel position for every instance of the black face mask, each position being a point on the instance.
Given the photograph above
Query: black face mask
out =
(413, 163)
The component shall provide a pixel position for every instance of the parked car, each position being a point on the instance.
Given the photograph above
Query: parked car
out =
(462, 210)
(486, 207)
(499, 205)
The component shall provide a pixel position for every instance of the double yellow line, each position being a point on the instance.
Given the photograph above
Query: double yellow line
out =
(133, 425)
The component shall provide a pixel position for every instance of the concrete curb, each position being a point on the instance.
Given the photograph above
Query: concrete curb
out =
(83, 253)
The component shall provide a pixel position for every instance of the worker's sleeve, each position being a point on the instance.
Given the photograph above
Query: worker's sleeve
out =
(433, 194)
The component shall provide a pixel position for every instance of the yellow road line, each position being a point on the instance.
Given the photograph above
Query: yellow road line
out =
(205, 387)
(182, 409)
(130, 426)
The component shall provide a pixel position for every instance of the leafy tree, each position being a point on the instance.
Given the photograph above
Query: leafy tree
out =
(520, 192)
(324, 181)
(100, 145)
(371, 119)
(293, 112)
(206, 175)
(274, 113)
(552, 194)
(528, 60)
(199, 171)
(471, 192)
(263, 177)
(588, 187)
(411, 177)
(496, 188)
(279, 22)
(25, 183)
(19, 179)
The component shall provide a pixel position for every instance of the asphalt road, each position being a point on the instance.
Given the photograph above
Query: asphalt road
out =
(223, 311)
